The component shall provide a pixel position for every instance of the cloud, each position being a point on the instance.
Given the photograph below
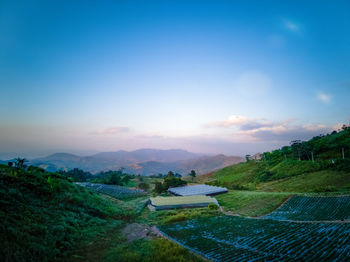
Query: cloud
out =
(244, 123)
(292, 26)
(325, 98)
(113, 130)
(259, 129)
(253, 83)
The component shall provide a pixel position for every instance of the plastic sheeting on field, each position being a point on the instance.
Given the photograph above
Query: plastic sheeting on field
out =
(160, 203)
(197, 190)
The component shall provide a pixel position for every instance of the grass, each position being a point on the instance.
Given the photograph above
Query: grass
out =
(321, 181)
(168, 216)
(250, 203)
(45, 216)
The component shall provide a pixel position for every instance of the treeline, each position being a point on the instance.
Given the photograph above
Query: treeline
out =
(109, 177)
(169, 181)
(331, 147)
(330, 152)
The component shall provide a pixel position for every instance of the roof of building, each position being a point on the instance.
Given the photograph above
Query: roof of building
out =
(197, 190)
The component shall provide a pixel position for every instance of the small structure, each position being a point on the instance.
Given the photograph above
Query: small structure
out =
(197, 190)
(160, 203)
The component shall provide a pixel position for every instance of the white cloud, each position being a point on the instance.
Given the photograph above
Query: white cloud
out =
(255, 129)
(113, 130)
(291, 26)
(323, 97)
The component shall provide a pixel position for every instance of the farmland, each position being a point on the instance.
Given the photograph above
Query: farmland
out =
(229, 238)
(251, 203)
(118, 192)
(304, 208)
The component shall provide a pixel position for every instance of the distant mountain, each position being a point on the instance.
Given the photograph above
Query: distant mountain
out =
(143, 161)
(143, 155)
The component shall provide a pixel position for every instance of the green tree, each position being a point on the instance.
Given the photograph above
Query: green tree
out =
(19, 163)
(193, 174)
(170, 174)
(158, 188)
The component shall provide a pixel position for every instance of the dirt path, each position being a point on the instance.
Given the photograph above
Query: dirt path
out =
(136, 231)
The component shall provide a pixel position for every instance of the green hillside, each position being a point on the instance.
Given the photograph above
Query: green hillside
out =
(46, 217)
(321, 164)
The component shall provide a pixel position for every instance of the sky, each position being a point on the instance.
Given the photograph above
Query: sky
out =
(232, 77)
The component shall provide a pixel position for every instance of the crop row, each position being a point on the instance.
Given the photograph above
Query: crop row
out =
(229, 238)
(302, 208)
(112, 190)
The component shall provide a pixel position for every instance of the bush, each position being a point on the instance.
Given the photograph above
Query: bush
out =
(143, 186)
(213, 207)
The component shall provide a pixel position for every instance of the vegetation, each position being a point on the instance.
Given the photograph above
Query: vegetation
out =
(322, 162)
(304, 208)
(46, 217)
(250, 203)
(262, 239)
(170, 181)
(43, 215)
(118, 192)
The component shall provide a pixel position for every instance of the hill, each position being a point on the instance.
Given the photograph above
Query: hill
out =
(45, 216)
(143, 161)
(321, 164)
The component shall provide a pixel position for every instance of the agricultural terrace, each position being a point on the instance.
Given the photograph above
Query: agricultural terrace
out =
(302, 208)
(160, 203)
(197, 190)
(230, 238)
(112, 190)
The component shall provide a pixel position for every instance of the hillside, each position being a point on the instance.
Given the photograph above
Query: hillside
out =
(46, 217)
(321, 164)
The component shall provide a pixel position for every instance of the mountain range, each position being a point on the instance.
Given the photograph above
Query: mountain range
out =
(142, 161)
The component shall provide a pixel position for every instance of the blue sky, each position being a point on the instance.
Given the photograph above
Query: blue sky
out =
(231, 77)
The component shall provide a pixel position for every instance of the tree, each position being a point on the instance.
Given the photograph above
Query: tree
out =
(144, 186)
(247, 158)
(19, 163)
(158, 188)
(170, 174)
(193, 174)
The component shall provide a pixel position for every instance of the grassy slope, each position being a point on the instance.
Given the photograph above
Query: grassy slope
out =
(320, 181)
(297, 178)
(46, 217)
(250, 203)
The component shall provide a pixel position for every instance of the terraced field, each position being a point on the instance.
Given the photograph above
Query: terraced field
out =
(229, 238)
(112, 190)
(302, 208)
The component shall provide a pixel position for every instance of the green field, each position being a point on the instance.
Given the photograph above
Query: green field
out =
(230, 238)
(321, 181)
(302, 208)
(251, 203)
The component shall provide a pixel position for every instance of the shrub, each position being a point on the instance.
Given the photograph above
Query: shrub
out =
(213, 207)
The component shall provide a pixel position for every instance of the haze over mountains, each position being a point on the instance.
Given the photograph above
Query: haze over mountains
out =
(143, 161)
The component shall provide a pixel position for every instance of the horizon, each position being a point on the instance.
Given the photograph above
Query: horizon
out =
(215, 77)
(3, 156)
